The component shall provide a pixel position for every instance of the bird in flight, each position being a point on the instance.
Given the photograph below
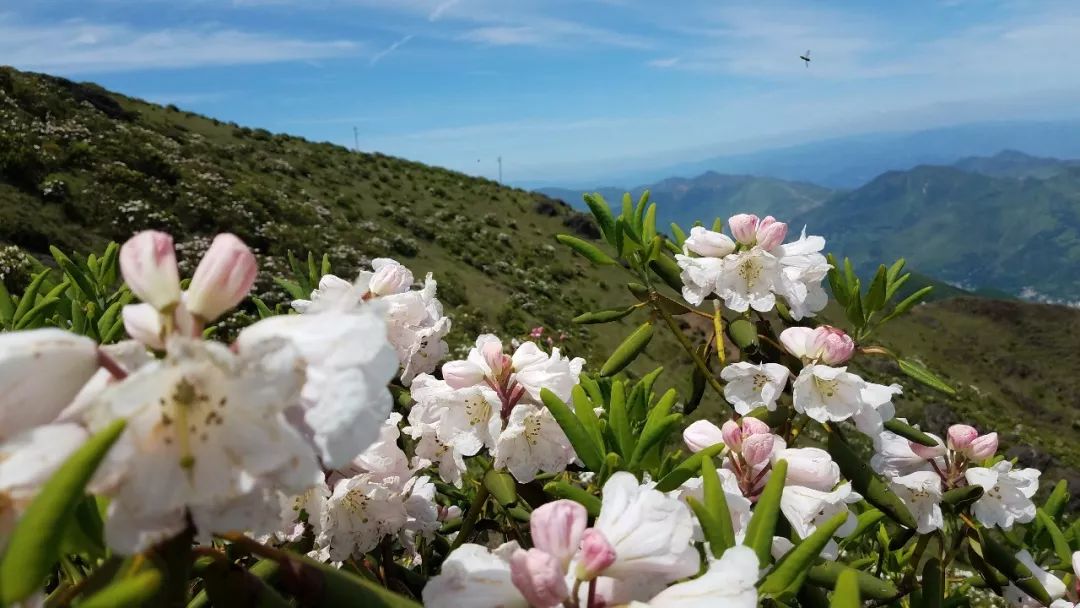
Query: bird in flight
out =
(806, 58)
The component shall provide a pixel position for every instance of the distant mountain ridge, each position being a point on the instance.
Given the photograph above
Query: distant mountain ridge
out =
(1013, 163)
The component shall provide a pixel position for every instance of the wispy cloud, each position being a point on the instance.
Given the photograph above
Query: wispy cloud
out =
(666, 62)
(441, 8)
(78, 46)
(377, 57)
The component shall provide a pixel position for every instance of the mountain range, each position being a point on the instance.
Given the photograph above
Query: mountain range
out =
(1008, 222)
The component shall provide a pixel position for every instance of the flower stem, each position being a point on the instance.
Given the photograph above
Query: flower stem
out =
(471, 516)
(689, 348)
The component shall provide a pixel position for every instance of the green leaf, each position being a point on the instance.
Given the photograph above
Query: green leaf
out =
(908, 303)
(36, 313)
(759, 532)
(723, 537)
(687, 468)
(136, 590)
(34, 544)
(648, 228)
(959, 499)
(73, 272)
(626, 352)
(894, 270)
(29, 297)
(7, 305)
(1057, 539)
(339, 587)
(933, 584)
(586, 449)
(261, 307)
(910, 433)
(919, 372)
(653, 435)
(787, 575)
(619, 420)
(583, 408)
(603, 316)
(296, 291)
(586, 250)
(850, 278)
(561, 489)
(602, 212)
(854, 310)
(1005, 561)
(111, 314)
(875, 296)
(678, 234)
(866, 521)
(846, 594)
(627, 207)
(828, 575)
(324, 267)
(639, 213)
(502, 486)
(668, 271)
(865, 482)
(1058, 499)
(837, 284)
(895, 286)
(313, 271)
(592, 389)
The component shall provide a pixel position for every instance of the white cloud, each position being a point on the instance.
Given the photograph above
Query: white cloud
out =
(377, 57)
(666, 62)
(77, 46)
(441, 8)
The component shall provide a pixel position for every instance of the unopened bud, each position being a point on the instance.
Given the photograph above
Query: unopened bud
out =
(732, 434)
(702, 434)
(223, 278)
(539, 577)
(597, 555)
(557, 528)
(148, 263)
(961, 436)
(833, 346)
(757, 449)
(983, 447)
(708, 243)
(744, 228)
(390, 277)
(771, 233)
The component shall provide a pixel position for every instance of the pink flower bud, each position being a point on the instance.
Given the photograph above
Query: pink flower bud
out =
(833, 346)
(732, 434)
(744, 228)
(701, 434)
(539, 577)
(390, 278)
(495, 358)
(757, 449)
(597, 555)
(224, 278)
(753, 426)
(983, 447)
(148, 263)
(557, 528)
(927, 452)
(460, 374)
(771, 233)
(961, 436)
(708, 243)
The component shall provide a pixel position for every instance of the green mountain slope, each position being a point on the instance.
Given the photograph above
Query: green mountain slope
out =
(1017, 236)
(714, 194)
(1012, 163)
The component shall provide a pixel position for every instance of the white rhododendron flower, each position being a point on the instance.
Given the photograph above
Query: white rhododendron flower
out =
(204, 426)
(921, 494)
(752, 272)
(752, 385)
(807, 508)
(832, 394)
(475, 577)
(896, 457)
(1007, 494)
(416, 323)
(728, 583)
(41, 371)
(532, 442)
(348, 365)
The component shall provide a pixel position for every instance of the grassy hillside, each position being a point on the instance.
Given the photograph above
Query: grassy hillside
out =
(713, 194)
(1013, 163)
(80, 166)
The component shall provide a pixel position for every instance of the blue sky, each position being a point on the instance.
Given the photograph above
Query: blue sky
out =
(565, 89)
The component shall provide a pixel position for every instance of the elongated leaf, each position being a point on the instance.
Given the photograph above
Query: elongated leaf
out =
(639, 212)
(586, 250)
(895, 286)
(29, 297)
(339, 587)
(688, 468)
(111, 314)
(1058, 499)
(866, 521)
(759, 532)
(908, 303)
(292, 288)
(592, 389)
(502, 486)
(626, 352)
(648, 229)
(919, 372)
(35, 314)
(668, 271)
(602, 212)
(34, 545)
(73, 272)
(133, 591)
(827, 575)
(837, 282)
(653, 435)
(1005, 561)
(324, 266)
(7, 305)
(561, 489)
(868, 484)
(910, 433)
(895, 269)
(933, 584)
(583, 408)
(959, 499)
(263, 310)
(1057, 539)
(847, 593)
(586, 449)
(603, 316)
(678, 234)
(788, 574)
(619, 420)
(854, 310)
(875, 296)
(716, 502)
